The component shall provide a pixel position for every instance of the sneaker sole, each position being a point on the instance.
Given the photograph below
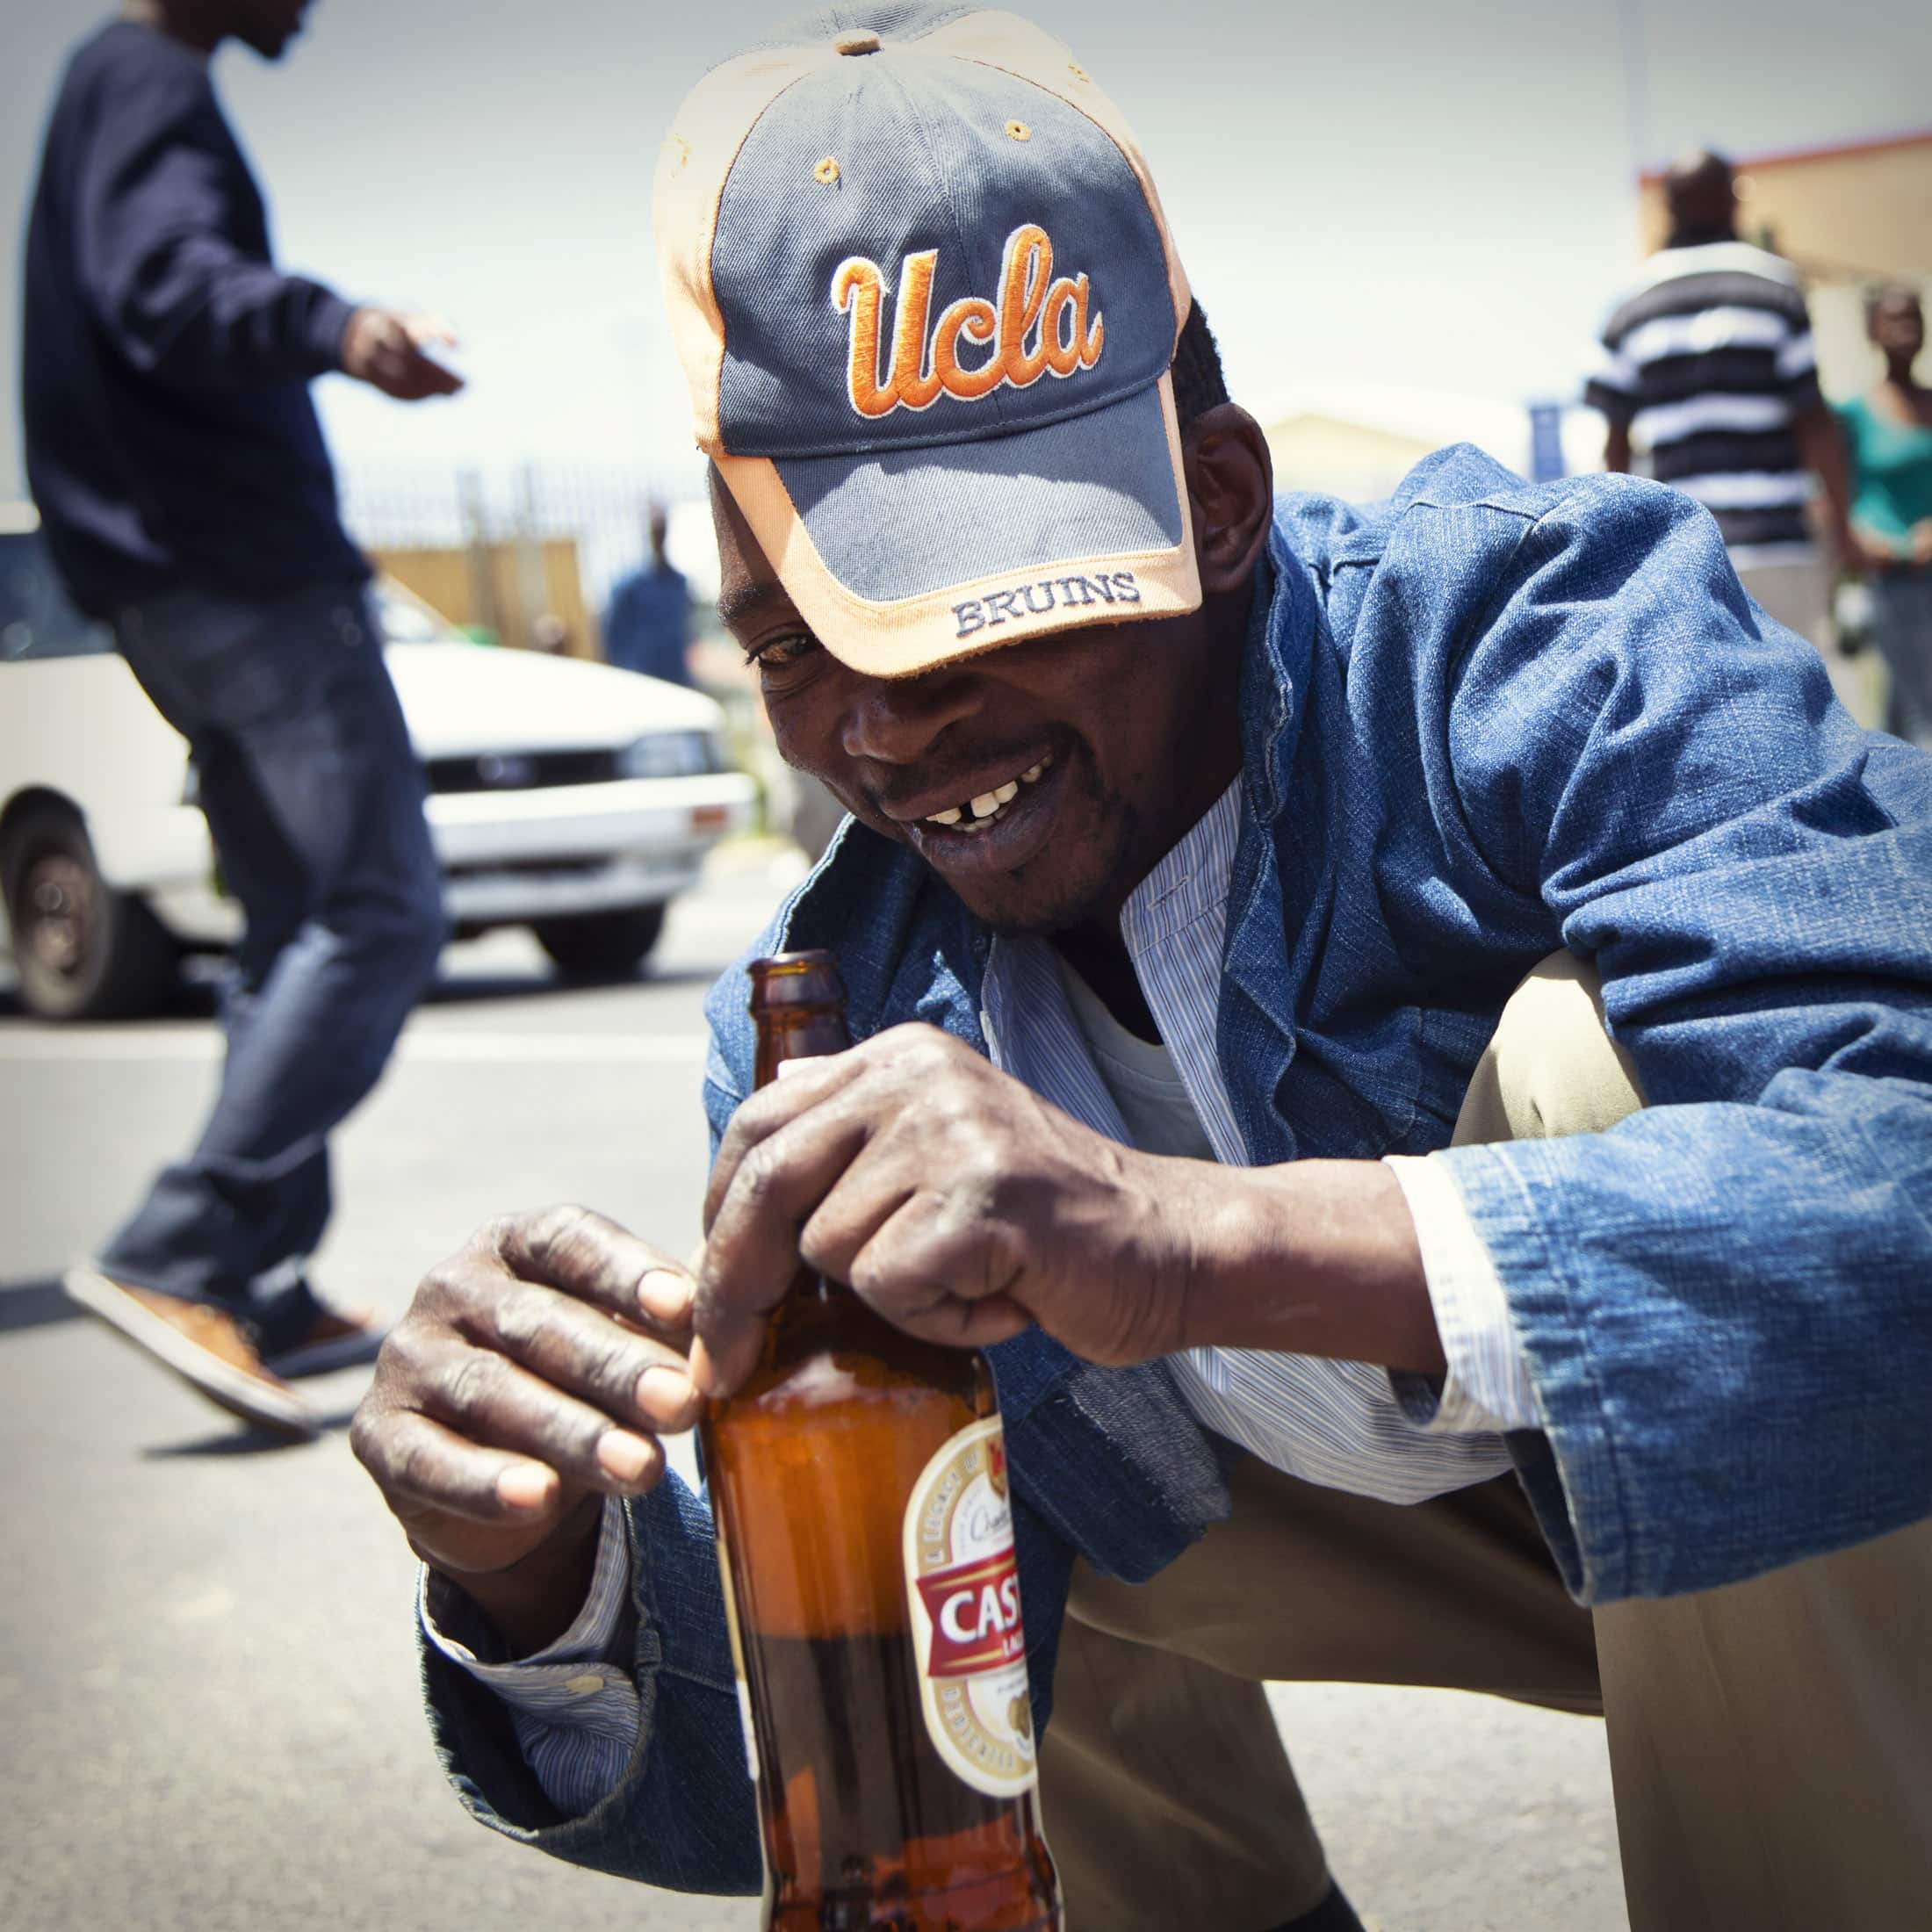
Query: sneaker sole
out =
(227, 1388)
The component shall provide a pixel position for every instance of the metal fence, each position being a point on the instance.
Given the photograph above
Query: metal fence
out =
(527, 531)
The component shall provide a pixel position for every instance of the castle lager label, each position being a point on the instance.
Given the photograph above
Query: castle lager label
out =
(964, 1592)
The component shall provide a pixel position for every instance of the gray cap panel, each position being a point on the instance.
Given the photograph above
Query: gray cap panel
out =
(1095, 486)
(924, 160)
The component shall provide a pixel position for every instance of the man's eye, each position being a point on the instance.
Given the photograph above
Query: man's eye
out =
(781, 651)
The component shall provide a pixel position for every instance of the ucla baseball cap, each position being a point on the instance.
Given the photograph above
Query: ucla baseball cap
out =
(926, 299)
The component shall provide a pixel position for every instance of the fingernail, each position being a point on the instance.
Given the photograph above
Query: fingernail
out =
(624, 1456)
(662, 1389)
(664, 1295)
(704, 1368)
(525, 1486)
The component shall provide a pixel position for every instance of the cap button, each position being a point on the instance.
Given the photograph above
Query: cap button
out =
(857, 40)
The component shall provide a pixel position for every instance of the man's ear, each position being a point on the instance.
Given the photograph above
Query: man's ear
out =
(1230, 493)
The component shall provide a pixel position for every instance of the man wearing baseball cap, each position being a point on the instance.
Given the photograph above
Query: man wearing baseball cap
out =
(1264, 925)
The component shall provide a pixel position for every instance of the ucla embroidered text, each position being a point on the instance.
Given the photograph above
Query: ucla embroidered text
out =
(1039, 326)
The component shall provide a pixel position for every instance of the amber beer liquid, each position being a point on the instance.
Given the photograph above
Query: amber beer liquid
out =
(859, 1481)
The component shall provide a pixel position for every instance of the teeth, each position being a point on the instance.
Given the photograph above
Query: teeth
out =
(970, 816)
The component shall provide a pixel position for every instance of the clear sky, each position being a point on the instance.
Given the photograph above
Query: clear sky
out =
(1411, 193)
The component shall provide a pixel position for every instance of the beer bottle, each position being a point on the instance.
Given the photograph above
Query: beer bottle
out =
(865, 1537)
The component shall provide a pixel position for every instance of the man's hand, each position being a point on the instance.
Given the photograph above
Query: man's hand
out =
(955, 1201)
(531, 1374)
(391, 352)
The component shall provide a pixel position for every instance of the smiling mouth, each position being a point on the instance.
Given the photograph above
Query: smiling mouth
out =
(987, 808)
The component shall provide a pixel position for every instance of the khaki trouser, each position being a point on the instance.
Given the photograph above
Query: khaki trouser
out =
(1770, 1743)
(1796, 594)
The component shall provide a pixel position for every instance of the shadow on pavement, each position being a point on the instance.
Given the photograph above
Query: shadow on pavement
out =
(242, 1442)
(36, 1303)
(41, 1302)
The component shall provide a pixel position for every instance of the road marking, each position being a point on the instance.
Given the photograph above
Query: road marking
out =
(431, 1046)
(587, 1049)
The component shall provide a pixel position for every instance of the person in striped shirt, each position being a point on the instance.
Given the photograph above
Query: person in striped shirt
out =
(1708, 364)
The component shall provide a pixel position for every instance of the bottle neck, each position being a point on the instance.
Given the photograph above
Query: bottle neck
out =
(797, 1006)
(796, 1033)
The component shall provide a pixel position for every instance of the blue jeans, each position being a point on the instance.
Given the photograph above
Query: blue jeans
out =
(1901, 627)
(313, 799)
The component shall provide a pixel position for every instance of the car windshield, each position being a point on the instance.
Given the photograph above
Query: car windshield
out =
(408, 620)
(36, 618)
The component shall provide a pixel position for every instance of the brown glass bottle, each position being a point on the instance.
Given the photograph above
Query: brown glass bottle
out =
(886, 1717)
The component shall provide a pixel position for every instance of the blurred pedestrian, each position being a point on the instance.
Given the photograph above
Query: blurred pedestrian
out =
(648, 626)
(1888, 431)
(1708, 364)
(188, 498)
(549, 636)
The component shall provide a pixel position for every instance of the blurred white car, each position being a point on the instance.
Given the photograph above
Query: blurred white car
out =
(570, 797)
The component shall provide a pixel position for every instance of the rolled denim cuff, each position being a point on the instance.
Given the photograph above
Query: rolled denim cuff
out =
(682, 1813)
(573, 1706)
(594, 1635)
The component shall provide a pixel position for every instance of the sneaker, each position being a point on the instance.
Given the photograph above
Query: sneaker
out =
(207, 1347)
(339, 1338)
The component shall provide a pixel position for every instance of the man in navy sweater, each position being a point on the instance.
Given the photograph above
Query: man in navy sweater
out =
(187, 498)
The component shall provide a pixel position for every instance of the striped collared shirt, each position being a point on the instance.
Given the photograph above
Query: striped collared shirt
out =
(1338, 1423)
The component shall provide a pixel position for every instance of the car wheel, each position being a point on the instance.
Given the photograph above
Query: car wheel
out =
(602, 945)
(82, 950)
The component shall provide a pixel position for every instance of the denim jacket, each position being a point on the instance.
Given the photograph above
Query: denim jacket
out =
(1481, 721)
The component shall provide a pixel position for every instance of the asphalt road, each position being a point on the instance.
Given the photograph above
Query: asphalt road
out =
(208, 1715)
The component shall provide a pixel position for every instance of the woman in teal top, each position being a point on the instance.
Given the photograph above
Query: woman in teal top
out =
(1889, 434)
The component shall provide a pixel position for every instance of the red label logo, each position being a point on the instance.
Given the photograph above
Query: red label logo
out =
(975, 1608)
